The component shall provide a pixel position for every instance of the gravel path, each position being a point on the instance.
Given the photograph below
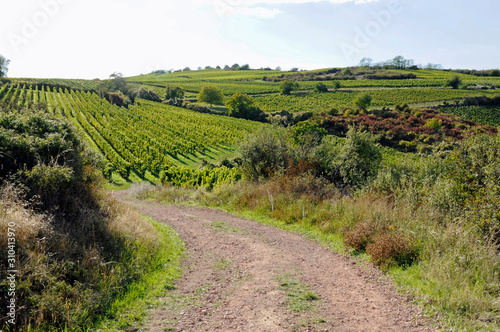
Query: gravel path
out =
(240, 275)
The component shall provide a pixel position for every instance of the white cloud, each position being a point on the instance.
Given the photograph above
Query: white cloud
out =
(254, 7)
(255, 11)
(250, 3)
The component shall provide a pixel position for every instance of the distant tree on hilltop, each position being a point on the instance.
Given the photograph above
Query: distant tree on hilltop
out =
(365, 62)
(4, 63)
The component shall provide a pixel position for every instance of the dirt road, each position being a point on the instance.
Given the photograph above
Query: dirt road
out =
(240, 275)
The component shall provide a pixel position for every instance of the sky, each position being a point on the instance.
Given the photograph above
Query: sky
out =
(95, 38)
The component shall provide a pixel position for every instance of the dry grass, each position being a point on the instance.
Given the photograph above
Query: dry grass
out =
(28, 224)
(70, 270)
(389, 248)
(361, 235)
(126, 221)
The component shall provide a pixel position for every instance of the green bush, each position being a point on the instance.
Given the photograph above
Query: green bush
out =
(287, 86)
(241, 106)
(453, 82)
(173, 92)
(359, 159)
(363, 101)
(265, 152)
(434, 124)
(321, 87)
(210, 94)
(474, 169)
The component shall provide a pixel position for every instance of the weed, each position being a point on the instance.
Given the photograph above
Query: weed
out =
(299, 296)
(223, 227)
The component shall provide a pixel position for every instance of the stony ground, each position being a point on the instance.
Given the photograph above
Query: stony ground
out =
(240, 275)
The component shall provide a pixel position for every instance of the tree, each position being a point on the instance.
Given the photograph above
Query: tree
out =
(118, 83)
(399, 62)
(337, 85)
(148, 95)
(321, 87)
(264, 152)
(363, 102)
(433, 66)
(245, 67)
(359, 159)
(241, 106)
(287, 86)
(211, 94)
(347, 72)
(365, 62)
(306, 135)
(454, 82)
(4, 63)
(174, 92)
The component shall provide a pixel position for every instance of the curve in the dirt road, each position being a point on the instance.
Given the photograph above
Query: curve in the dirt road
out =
(244, 276)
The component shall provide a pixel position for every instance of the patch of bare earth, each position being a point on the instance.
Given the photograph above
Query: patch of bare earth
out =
(233, 272)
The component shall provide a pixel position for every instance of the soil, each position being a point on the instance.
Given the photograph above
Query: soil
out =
(239, 275)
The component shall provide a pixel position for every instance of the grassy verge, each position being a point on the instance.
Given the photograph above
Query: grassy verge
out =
(160, 272)
(105, 275)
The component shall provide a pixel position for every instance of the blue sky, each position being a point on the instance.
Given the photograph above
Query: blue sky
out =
(94, 38)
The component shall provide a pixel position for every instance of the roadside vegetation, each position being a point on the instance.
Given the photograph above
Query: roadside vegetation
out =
(79, 254)
(431, 222)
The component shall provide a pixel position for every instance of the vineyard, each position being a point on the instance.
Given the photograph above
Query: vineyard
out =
(262, 81)
(324, 102)
(156, 142)
(148, 140)
(489, 115)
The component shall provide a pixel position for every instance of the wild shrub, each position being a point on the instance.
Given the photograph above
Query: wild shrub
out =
(286, 87)
(360, 236)
(148, 95)
(453, 82)
(359, 159)
(474, 173)
(265, 152)
(434, 124)
(392, 248)
(321, 87)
